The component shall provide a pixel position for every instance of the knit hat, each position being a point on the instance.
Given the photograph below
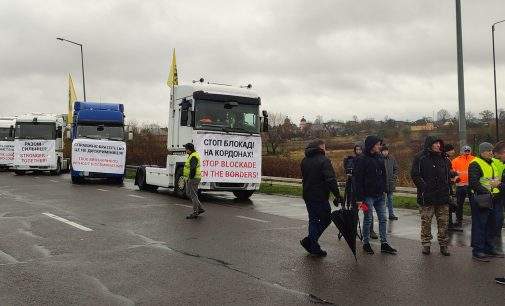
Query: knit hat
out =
(485, 146)
(466, 148)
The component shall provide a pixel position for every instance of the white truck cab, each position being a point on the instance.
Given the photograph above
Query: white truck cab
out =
(38, 144)
(224, 124)
(7, 125)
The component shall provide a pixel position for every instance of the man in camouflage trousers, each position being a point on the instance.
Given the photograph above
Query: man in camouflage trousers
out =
(431, 175)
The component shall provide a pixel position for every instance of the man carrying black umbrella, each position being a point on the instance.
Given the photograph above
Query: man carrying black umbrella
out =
(319, 181)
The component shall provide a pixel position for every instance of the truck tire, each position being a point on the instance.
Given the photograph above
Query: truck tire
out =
(243, 195)
(140, 178)
(77, 179)
(58, 169)
(180, 184)
(19, 172)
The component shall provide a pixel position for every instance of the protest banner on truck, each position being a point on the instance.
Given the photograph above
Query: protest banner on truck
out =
(101, 156)
(34, 152)
(228, 158)
(6, 152)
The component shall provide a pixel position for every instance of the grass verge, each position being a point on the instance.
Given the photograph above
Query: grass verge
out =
(296, 191)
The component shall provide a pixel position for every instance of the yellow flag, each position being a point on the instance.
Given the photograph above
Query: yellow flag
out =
(71, 99)
(172, 75)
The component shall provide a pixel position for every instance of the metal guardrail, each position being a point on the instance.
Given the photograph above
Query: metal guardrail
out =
(297, 182)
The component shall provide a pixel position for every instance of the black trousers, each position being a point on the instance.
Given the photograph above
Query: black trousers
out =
(462, 192)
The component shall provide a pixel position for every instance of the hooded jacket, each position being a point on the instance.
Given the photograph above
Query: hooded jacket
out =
(318, 176)
(369, 176)
(350, 160)
(431, 175)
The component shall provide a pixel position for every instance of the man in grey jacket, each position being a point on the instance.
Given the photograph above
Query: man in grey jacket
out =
(391, 176)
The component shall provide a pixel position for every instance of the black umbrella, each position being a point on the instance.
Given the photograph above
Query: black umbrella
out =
(346, 219)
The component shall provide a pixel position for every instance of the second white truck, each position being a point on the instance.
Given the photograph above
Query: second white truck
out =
(38, 144)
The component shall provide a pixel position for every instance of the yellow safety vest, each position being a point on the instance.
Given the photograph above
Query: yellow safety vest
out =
(187, 166)
(489, 172)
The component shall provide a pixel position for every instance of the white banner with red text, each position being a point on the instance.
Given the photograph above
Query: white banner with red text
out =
(101, 156)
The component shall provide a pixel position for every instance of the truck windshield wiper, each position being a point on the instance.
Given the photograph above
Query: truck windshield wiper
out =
(88, 137)
(237, 129)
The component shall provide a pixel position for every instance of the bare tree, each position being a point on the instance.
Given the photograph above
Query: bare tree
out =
(443, 115)
(275, 136)
(486, 116)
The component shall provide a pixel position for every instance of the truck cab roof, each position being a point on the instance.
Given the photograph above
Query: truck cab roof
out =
(218, 92)
(99, 112)
(7, 122)
(41, 117)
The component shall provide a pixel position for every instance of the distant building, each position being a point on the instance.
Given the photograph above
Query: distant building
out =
(428, 126)
(303, 123)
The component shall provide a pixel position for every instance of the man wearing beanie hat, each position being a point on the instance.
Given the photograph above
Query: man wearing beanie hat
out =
(431, 175)
(484, 179)
(460, 164)
(192, 173)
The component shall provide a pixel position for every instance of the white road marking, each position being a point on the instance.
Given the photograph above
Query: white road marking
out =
(252, 219)
(81, 227)
(54, 181)
(102, 189)
(36, 177)
(188, 206)
(8, 257)
(135, 196)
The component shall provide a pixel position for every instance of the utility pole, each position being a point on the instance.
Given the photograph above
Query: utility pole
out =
(461, 78)
(497, 122)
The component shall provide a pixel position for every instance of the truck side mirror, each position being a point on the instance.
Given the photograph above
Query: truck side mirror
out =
(185, 109)
(130, 135)
(59, 132)
(11, 131)
(265, 121)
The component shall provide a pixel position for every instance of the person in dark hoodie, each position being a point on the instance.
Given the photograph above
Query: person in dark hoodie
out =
(348, 164)
(431, 175)
(369, 178)
(319, 180)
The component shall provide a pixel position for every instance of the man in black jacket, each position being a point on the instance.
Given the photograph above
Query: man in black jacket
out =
(319, 181)
(369, 186)
(431, 175)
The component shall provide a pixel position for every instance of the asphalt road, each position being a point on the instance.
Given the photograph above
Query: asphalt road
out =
(98, 244)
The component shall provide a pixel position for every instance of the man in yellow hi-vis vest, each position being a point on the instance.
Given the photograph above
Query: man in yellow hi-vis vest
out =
(485, 175)
(192, 174)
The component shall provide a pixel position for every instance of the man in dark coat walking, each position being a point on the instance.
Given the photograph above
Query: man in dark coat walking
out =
(431, 175)
(370, 186)
(319, 181)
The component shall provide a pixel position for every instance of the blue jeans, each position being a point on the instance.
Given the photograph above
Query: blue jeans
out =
(380, 209)
(319, 219)
(483, 228)
(389, 201)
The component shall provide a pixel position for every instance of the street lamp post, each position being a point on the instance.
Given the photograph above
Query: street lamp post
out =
(494, 73)
(82, 63)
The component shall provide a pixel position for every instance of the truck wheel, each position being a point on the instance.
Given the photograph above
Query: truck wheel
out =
(140, 178)
(77, 180)
(180, 183)
(243, 195)
(58, 169)
(19, 172)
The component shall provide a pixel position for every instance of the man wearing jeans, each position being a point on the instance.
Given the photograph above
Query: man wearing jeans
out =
(391, 175)
(370, 186)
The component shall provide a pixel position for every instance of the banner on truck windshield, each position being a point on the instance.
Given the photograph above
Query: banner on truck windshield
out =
(35, 152)
(6, 152)
(229, 158)
(102, 156)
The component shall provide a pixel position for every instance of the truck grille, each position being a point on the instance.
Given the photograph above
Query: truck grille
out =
(230, 185)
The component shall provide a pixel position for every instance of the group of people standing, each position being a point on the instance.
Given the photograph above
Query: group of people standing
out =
(439, 177)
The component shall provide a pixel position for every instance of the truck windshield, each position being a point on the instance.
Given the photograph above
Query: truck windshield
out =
(5, 134)
(212, 115)
(29, 130)
(100, 132)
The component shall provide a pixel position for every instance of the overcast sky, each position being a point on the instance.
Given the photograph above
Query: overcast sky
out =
(327, 57)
